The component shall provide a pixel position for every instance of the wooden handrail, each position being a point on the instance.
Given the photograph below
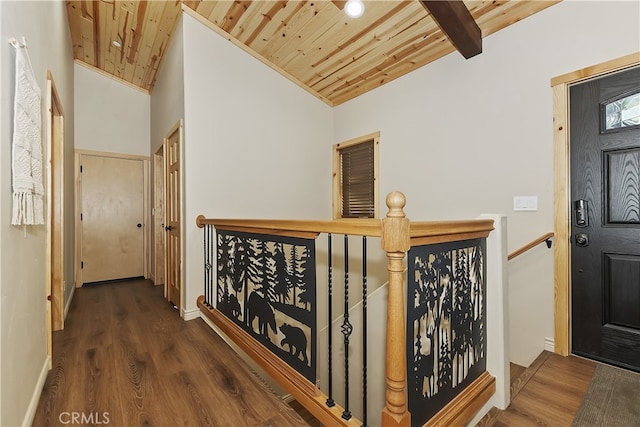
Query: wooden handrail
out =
(353, 227)
(420, 233)
(424, 233)
(544, 238)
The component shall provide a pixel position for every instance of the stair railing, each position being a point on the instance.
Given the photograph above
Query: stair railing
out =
(260, 286)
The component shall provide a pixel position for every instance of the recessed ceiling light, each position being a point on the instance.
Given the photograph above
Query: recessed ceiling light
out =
(354, 8)
(116, 43)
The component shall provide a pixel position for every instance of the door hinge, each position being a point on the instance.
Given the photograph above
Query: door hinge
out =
(81, 264)
(80, 216)
(80, 168)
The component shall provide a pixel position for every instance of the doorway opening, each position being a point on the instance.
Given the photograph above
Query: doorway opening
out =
(112, 212)
(174, 209)
(56, 281)
(158, 212)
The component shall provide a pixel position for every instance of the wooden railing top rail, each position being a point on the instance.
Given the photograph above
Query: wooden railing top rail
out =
(423, 233)
(355, 227)
(544, 238)
(420, 232)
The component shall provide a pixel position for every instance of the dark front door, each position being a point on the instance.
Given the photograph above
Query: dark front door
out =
(605, 230)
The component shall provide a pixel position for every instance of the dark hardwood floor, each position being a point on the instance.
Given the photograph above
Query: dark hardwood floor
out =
(125, 358)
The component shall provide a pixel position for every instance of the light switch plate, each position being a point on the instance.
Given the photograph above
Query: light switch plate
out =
(525, 203)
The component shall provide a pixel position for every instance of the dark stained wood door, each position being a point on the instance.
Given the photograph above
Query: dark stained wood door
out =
(605, 238)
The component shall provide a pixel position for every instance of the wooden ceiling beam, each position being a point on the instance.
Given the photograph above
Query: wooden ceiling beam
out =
(455, 20)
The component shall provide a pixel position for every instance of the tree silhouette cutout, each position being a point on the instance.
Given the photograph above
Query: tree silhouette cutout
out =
(277, 276)
(445, 323)
(223, 248)
(244, 253)
(280, 272)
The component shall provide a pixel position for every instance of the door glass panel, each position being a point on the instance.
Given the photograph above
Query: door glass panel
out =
(621, 113)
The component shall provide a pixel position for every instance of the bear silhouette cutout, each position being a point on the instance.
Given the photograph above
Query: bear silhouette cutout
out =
(258, 306)
(297, 341)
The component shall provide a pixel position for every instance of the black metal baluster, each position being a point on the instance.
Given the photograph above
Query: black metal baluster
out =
(210, 238)
(206, 261)
(347, 328)
(364, 331)
(330, 401)
(212, 254)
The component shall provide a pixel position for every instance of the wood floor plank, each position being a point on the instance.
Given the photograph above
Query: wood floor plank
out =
(125, 352)
(549, 392)
(514, 372)
(99, 377)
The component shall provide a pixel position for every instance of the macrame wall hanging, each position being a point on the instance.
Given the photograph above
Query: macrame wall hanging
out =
(26, 166)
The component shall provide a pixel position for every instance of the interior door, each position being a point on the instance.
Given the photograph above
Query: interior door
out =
(159, 192)
(173, 207)
(112, 218)
(605, 231)
(55, 203)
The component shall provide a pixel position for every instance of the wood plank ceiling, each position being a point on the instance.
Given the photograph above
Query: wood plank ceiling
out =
(142, 28)
(313, 43)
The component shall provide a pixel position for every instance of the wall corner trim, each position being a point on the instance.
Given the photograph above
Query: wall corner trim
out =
(69, 299)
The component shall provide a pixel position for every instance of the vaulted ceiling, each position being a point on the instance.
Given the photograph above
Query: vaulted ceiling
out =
(313, 43)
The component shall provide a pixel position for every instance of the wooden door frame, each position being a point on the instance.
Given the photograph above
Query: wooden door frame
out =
(55, 279)
(159, 192)
(178, 127)
(78, 206)
(562, 197)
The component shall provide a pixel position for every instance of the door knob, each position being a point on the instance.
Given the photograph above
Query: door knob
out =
(582, 240)
(139, 225)
(168, 228)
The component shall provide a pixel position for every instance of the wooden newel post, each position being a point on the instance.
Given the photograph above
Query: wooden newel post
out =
(396, 242)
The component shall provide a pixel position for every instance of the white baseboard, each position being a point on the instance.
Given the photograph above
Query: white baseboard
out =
(68, 303)
(550, 344)
(190, 314)
(35, 398)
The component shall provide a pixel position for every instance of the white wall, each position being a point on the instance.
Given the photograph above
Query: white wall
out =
(3, 124)
(256, 144)
(23, 341)
(110, 116)
(167, 97)
(460, 137)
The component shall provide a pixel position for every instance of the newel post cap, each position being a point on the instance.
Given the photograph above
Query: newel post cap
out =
(396, 201)
(395, 227)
